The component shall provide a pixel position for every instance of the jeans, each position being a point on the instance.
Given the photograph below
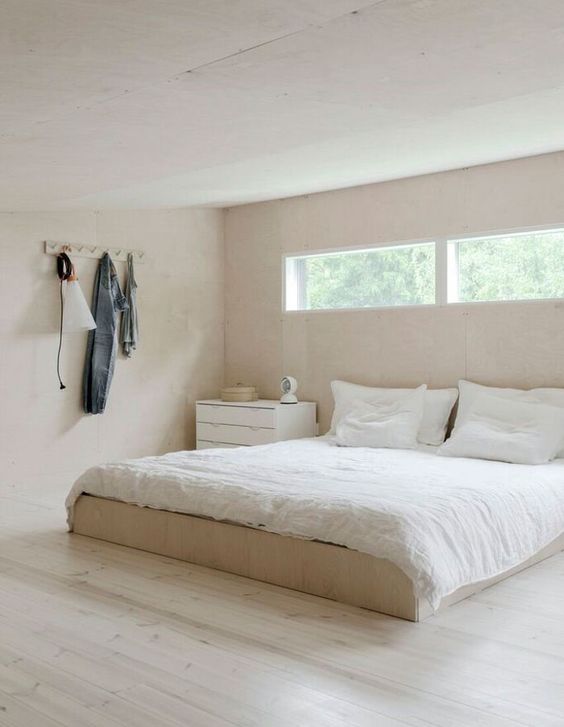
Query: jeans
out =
(99, 366)
(129, 322)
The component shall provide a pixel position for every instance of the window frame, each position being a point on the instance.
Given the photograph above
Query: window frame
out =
(501, 234)
(354, 248)
(443, 272)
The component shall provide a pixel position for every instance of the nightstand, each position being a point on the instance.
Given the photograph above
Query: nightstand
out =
(243, 424)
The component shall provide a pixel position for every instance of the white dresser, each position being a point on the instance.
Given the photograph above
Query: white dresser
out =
(242, 424)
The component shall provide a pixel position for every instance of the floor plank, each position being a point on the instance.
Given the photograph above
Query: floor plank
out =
(96, 634)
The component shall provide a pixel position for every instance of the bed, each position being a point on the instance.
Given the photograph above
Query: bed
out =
(396, 531)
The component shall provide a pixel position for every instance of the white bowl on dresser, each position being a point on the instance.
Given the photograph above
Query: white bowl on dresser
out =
(243, 424)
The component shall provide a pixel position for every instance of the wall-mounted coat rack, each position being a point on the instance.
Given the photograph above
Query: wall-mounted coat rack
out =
(118, 254)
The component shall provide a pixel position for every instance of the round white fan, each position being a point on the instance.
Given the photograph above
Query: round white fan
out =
(289, 386)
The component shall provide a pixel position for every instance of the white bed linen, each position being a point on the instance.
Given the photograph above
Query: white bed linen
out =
(445, 522)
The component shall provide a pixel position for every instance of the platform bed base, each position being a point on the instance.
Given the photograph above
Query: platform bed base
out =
(320, 569)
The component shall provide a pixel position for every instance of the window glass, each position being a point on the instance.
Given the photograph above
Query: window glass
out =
(387, 276)
(506, 267)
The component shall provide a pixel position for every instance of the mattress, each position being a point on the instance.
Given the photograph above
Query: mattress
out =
(445, 522)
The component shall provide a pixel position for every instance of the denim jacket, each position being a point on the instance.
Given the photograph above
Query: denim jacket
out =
(99, 366)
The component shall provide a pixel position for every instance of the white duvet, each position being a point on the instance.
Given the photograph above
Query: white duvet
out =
(445, 522)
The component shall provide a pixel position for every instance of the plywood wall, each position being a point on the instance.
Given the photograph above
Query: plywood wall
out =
(43, 431)
(520, 344)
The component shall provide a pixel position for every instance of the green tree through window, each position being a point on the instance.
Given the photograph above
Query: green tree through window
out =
(518, 267)
(391, 276)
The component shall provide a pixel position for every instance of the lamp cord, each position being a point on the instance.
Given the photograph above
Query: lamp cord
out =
(64, 271)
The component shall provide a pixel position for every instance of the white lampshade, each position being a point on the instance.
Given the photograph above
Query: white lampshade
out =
(77, 315)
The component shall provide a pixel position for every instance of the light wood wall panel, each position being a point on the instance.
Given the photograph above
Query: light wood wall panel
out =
(43, 431)
(514, 344)
(527, 339)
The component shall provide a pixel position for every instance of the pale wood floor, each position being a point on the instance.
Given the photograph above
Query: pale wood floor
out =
(95, 634)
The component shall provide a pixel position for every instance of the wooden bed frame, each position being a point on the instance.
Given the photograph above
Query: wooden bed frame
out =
(313, 567)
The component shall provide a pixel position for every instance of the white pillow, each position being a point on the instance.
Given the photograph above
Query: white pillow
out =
(392, 424)
(470, 391)
(436, 410)
(509, 431)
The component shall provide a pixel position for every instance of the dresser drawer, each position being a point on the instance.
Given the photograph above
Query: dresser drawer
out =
(202, 444)
(231, 434)
(248, 416)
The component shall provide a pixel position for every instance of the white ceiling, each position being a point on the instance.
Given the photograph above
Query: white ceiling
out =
(147, 103)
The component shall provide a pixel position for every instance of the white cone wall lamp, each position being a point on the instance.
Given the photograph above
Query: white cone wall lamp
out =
(75, 313)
